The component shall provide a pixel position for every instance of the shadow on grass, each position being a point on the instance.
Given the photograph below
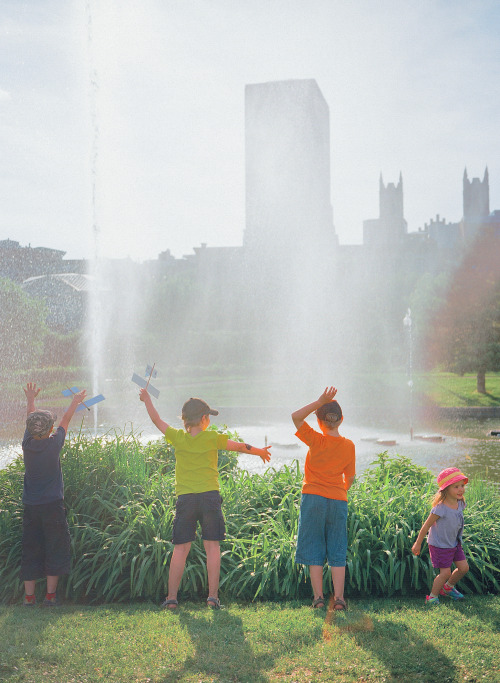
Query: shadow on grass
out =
(404, 651)
(221, 648)
(19, 620)
(481, 610)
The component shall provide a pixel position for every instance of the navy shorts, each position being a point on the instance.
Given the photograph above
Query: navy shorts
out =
(322, 531)
(46, 543)
(192, 508)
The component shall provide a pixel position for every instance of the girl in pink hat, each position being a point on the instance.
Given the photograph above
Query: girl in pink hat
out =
(445, 525)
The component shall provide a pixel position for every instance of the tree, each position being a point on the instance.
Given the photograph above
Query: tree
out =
(22, 327)
(465, 332)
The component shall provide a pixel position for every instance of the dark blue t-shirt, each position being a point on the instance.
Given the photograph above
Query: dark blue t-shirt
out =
(43, 480)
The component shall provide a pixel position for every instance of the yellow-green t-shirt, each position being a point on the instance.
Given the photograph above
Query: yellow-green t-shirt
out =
(196, 459)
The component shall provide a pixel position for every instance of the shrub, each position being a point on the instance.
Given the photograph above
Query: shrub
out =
(120, 499)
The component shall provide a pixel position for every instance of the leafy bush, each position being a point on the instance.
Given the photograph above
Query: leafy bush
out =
(121, 502)
(23, 326)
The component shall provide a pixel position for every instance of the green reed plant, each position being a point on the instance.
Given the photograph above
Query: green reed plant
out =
(121, 502)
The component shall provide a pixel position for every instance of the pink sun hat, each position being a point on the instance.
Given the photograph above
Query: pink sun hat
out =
(450, 476)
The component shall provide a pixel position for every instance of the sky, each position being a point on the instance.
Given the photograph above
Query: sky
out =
(122, 122)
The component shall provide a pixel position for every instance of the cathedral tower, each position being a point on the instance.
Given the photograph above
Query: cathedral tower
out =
(476, 202)
(391, 227)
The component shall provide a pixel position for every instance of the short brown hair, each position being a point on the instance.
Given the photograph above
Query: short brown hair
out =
(331, 413)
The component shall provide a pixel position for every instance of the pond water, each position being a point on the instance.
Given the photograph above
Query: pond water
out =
(466, 445)
(472, 450)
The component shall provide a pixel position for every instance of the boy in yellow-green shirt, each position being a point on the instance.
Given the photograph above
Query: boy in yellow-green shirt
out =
(197, 490)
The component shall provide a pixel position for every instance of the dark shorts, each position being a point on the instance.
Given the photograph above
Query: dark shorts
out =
(192, 508)
(442, 558)
(322, 531)
(46, 541)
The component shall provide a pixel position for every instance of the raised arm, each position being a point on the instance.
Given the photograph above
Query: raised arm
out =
(75, 401)
(152, 412)
(431, 519)
(300, 415)
(31, 392)
(239, 447)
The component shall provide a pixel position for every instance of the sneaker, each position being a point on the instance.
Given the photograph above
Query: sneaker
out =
(29, 603)
(431, 601)
(451, 593)
(51, 602)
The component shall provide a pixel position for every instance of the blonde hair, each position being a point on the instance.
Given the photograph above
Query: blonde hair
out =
(440, 496)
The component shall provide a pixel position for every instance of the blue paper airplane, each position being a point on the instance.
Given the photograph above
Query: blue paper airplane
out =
(88, 401)
(142, 383)
(150, 372)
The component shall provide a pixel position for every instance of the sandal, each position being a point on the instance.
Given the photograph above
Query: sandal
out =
(318, 603)
(214, 603)
(167, 604)
(339, 605)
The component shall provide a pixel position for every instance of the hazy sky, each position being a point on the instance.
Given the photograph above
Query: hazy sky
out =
(150, 94)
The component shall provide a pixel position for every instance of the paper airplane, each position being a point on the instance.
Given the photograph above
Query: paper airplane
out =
(88, 401)
(150, 372)
(140, 381)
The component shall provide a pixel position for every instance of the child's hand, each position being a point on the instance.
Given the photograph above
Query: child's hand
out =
(327, 396)
(144, 395)
(416, 548)
(264, 455)
(79, 397)
(31, 390)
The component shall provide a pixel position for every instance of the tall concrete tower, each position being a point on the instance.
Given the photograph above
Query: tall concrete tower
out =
(287, 142)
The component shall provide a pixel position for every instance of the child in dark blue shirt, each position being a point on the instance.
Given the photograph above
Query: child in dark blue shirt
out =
(46, 540)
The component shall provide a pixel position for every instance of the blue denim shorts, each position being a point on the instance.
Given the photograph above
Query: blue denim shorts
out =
(322, 531)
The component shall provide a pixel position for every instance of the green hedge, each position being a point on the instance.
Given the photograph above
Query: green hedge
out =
(120, 499)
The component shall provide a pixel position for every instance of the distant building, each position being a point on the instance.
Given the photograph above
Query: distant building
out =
(19, 263)
(439, 242)
(390, 228)
(66, 297)
(476, 203)
(287, 146)
(290, 246)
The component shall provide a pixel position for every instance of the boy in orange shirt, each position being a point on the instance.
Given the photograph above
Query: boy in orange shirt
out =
(329, 472)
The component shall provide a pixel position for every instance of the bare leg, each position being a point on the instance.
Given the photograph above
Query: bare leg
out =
(29, 587)
(52, 584)
(212, 548)
(440, 580)
(316, 574)
(177, 564)
(460, 571)
(338, 578)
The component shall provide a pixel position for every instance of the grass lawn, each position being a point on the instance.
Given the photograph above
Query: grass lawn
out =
(435, 388)
(447, 389)
(377, 640)
(430, 388)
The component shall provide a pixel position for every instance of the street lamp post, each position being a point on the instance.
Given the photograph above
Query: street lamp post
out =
(407, 322)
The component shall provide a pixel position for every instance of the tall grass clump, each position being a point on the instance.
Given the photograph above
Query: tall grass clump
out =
(387, 509)
(120, 498)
